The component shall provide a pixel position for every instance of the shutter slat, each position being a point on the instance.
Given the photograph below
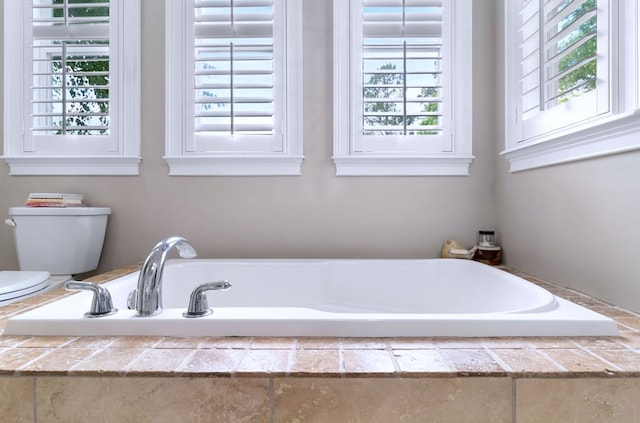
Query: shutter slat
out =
(573, 26)
(227, 3)
(402, 42)
(223, 113)
(213, 86)
(237, 18)
(70, 74)
(236, 100)
(398, 3)
(246, 127)
(233, 69)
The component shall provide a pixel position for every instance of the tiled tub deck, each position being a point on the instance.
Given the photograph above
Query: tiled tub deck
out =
(230, 379)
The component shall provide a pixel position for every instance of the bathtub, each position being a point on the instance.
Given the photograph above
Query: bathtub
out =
(343, 298)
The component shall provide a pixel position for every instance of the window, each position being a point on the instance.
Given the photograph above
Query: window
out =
(572, 80)
(234, 86)
(71, 77)
(402, 87)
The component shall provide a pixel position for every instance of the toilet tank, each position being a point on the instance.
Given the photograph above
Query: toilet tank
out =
(59, 240)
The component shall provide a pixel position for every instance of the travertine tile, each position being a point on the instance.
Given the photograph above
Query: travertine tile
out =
(627, 360)
(173, 342)
(260, 362)
(238, 342)
(14, 358)
(157, 399)
(59, 360)
(272, 343)
(47, 341)
(159, 361)
(16, 399)
(527, 361)
(318, 343)
(613, 312)
(12, 341)
(135, 341)
(472, 361)
(630, 339)
(223, 361)
(579, 361)
(315, 362)
(551, 342)
(457, 343)
(109, 360)
(91, 342)
(369, 362)
(510, 343)
(363, 343)
(420, 361)
(584, 400)
(599, 343)
(354, 400)
(411, 343)
(630, 322)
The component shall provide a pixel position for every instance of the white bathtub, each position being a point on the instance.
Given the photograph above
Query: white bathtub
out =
(351, 298)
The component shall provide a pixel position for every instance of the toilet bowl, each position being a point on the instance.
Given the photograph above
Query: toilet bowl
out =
(52, 244)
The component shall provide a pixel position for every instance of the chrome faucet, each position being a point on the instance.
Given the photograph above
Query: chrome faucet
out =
(147, 299)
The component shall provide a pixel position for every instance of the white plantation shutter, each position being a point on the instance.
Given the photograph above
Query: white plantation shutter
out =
(233, 75)
(70, 50)
(402, 87)
(563, 55)
(233, 67)
(572, 86)
(72, 87)
(402, 67)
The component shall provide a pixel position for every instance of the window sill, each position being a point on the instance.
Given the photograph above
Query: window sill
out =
(234, 165)
(369, 165)
(614, 136)
(72, 165)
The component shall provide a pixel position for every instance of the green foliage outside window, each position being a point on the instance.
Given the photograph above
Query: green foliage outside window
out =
(84, 92)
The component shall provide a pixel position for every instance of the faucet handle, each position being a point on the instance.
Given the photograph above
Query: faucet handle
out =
(132, 299)
(198, 304)
(101, 305)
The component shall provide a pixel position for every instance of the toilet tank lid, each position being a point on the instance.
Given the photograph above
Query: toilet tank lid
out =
(58, 211)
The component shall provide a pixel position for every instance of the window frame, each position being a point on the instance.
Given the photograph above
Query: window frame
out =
(604, 133)
(115, 154)
(453, 153)
(232, 156)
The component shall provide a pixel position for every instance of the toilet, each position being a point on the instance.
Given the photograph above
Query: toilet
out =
(52, 244)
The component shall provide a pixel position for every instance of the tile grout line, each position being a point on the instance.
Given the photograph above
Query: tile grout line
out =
(94, 353)
(271, 402)
(615, 368)
(498, 360)
(513, 400)
(185, 361)
(555, 363)
(35, 401)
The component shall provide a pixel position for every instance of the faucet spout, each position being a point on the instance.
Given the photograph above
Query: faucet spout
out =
(148, 296)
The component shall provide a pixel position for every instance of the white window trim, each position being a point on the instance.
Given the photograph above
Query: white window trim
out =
(615, 132)
(221, 163)
(455, 162)
(125, 156)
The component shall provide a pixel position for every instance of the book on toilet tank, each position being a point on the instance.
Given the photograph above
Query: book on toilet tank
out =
(55, 195)
(45, 199)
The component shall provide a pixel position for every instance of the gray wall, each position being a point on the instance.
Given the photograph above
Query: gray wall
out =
(577, 224)
(313, 215)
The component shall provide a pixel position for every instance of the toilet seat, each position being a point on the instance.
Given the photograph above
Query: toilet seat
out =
(15, 285)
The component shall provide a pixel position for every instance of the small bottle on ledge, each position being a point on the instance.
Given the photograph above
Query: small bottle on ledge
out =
(488, 252)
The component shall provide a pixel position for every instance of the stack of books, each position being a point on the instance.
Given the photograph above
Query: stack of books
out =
(52, 199)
